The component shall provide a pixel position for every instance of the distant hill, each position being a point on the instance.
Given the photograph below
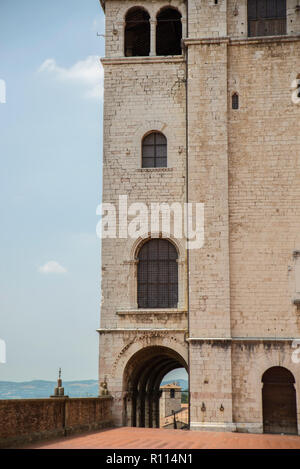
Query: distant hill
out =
(41, 389)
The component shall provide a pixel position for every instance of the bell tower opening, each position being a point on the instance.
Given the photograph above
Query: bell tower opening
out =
(137, 33)
(168, 32)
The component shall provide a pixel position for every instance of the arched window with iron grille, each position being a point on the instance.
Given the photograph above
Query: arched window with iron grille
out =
(137, 32)
(168, 32)
(266, 17)
(154, 150)
(157, 275)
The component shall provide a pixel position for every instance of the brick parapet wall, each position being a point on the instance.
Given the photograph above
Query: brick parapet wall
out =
(24, 421)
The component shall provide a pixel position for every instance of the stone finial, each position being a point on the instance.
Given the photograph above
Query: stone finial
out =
(104, 388)
(59, 391)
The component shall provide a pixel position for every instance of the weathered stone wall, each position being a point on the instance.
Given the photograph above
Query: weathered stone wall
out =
(244, 166)
(141, 94)
(264, 194)
(24, 421)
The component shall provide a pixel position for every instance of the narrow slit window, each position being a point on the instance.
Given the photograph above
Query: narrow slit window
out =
(235, 101)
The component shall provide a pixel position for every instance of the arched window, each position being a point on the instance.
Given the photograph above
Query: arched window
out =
(168, 32)
(157, 275)
(137, 33)
(235, 101)
(266, 17)
(154, 150)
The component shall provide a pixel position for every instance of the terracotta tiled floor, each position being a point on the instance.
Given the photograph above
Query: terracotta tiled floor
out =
(151, 438)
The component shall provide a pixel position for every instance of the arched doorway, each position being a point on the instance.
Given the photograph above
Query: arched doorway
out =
(279, 401)
(141, 384)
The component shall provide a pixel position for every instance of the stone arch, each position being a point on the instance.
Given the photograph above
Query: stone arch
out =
(279, 401)
(141, 380)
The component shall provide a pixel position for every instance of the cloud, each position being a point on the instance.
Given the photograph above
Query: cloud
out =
(52, 267)
(87, 72)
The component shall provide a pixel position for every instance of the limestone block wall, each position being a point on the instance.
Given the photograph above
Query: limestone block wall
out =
(209, 310)
(157, 103)
(206, 19)
(264, 193)
(210, 385)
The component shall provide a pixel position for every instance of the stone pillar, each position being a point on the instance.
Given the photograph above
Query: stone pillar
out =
(152, 38)
(156, 409)
(209, 289)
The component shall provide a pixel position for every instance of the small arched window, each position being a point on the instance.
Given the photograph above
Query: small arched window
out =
(137, 33)
(235, 101)
(157, 275)
(154, 151)
(168, 32)
(266, 17)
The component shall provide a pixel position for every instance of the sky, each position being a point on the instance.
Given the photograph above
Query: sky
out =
(50, 179)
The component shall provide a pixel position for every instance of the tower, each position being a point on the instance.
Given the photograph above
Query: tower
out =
(170, 399)
(198, 109)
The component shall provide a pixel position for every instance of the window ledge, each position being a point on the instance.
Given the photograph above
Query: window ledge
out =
(155, 311)
(149, 170)
(241, 40)
(143, 60)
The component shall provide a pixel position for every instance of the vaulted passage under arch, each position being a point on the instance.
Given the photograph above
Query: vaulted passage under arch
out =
(279, 401)
(141, 382)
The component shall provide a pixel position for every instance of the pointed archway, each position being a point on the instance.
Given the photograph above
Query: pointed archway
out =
(279, 401)
(141, 381)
